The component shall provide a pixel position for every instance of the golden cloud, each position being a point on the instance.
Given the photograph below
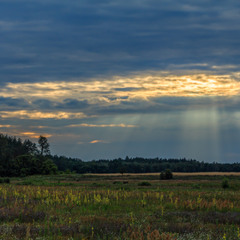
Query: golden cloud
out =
(33, 134)
(25, 134)
(24, 114)
(7, 126)
(144, 86)
(98, 141)
(121, 125)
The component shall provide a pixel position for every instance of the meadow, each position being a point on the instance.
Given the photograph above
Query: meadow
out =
(128, 206)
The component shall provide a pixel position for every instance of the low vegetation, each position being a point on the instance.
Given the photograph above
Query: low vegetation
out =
(43, 197)
(131, 207)
(166, 175)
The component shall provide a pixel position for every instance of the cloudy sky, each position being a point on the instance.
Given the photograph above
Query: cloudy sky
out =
(110, 78)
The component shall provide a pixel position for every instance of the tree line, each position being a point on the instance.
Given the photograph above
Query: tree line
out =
(141, 165)
(23, 157)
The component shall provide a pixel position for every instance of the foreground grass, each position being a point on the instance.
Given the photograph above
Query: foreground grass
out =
(120, 207)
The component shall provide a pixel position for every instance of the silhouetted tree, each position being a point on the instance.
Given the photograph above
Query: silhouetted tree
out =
(122, 170)
(30, 147)
(44, 145)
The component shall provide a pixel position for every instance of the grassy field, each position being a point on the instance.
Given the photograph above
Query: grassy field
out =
(128, 206)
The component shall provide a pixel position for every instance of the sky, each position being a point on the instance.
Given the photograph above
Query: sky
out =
(116, 78)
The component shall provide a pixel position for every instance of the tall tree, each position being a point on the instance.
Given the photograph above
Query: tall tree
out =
(30, 147)
(44, 145)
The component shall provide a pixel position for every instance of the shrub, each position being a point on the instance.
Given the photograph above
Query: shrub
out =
(6, 180)
(144, 184)
(196, 186)
(225, 183)
(116, 182)
(67, 171)
(167, 174)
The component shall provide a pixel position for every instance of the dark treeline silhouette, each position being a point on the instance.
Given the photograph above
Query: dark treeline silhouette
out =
(141, 165)
(22, 158)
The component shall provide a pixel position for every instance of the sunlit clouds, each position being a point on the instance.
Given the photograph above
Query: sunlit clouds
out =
(143, 92)
(33, 134)
(24, 114)
(113, 90)
(98, 141)
(102, 125)
(6, 126)
(16, 131)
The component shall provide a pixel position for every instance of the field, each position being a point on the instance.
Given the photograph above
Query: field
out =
(128, 206)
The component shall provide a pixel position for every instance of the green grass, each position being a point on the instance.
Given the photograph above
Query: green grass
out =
(120, 207)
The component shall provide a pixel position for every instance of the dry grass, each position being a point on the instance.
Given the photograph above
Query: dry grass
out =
(175, 173)
(208, 174)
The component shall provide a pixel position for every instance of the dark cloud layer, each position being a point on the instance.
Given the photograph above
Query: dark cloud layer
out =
(13, 103)
(70, 104)
(57, 39)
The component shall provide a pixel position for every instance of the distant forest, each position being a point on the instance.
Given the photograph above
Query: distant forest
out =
(22, 158)
(141, 165)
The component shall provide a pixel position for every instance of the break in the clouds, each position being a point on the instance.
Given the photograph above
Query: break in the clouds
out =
(147, 77)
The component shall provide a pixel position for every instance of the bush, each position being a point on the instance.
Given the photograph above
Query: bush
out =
(162, 175)
(116, 182)
(6, 180)
(167, 174)
(196, 186)
(144, 184)
(67, 171)
(225, 183)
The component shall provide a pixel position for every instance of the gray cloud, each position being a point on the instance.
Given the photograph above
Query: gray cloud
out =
(13, 103)
(43, 104)
(58, 40)
(73, 104)
(126, 89)
(69, 104)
